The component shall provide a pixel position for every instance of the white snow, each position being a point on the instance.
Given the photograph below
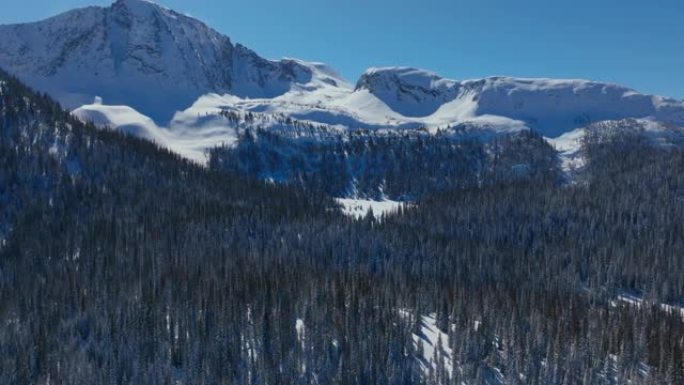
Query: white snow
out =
(435, 345)
(301, 337)
(164, 76)
(301, 329)
(638, 302)
(336, 105)
(359, 208)
(189, 137)
(569, 146)
(408, 91)
(432, 343)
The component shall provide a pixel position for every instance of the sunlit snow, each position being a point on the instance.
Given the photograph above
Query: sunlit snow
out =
(359, 208)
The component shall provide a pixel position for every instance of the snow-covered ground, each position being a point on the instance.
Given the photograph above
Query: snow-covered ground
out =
(165, 76)
(638, 302)
(569, 147)
(435, 346)
(359, 208)
(189, 137)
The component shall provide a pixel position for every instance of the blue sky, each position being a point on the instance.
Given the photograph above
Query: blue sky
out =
(637, 43)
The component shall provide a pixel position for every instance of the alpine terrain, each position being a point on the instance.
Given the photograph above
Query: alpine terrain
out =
(176, 209)
(164, 76)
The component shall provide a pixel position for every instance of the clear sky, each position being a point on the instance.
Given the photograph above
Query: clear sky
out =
(638, 43)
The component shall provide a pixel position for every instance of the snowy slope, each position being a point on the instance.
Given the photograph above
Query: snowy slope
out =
(569, 145)
(551, 106)
(139, 54)
(166, 76)
(359, 208)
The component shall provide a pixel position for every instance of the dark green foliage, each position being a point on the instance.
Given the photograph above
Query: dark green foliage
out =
(124, 264)
(371, 164)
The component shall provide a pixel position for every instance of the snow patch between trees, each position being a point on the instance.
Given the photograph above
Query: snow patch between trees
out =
(434, 346)
(360, 208)
(638, 302)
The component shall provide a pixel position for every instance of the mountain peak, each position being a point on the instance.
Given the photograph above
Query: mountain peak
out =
(403, 75)
(160, 63)
(148, 12)
(138, 7)
(140, 54)
(137, 4)
(409, 91)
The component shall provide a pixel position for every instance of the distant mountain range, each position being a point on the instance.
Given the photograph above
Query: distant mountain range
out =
(168, 77)
(535, 235)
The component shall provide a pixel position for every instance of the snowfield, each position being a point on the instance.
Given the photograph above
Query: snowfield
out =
(147, 70)
(359, 208)
(151, 72)
(434, 345)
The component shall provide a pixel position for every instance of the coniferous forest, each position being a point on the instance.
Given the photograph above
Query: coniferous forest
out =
(121, 263)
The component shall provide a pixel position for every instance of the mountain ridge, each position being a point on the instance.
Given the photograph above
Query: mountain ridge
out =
(117, 52)
(168, 77)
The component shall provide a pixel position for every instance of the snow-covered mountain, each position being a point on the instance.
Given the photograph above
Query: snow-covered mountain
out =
(140, 67)
(408, 91)
(139, 54)
(551, 106)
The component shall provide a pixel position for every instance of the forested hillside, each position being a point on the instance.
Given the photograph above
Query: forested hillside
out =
(403, 166)
(123, 264)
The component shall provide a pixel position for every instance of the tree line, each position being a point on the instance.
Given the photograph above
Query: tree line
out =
(124, 264)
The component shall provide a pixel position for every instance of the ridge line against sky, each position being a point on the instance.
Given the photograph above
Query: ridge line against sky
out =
(628, 42)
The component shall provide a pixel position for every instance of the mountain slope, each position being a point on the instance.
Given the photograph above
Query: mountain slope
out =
(148, 70)
(125, 264)
(551, 106)
(139, 54)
